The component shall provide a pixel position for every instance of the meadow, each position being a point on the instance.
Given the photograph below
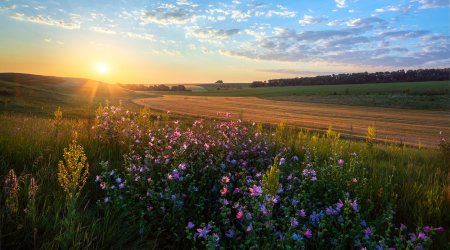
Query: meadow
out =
(138, 178)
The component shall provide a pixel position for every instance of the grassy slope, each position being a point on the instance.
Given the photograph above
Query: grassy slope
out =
(32, 94)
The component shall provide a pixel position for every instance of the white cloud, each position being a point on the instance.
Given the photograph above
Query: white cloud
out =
(429, 4)
(167, 6)
(395, 8)
(48, 40)
(48, 21)
(210, 34)
(283, 13)
(335, 23)
(11, 7)
(404, 34)
(310, 20)
(341, 3)
(143, 36)
(169, 17)
(184, 2)
(104, 30)
(365, 22)
(240, 16)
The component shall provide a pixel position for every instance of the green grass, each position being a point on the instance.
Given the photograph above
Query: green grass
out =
(414, 180)
(439, 87)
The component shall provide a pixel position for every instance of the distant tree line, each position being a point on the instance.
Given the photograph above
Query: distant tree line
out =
(159, 87)
(358, 78)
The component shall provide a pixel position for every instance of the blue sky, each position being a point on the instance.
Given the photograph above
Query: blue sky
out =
(237, 41)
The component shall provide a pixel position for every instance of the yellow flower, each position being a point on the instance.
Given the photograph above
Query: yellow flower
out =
(271, 179)
(371, 134)
(73, 171)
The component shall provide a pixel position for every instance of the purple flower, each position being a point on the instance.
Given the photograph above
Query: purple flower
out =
(363, 223)
(118, 180)
(403, 227)
(294, 223)
(282, 161)
(440, 229)
(121, 186)
(255, 191)
(339, 205)
(203, 232)
(427, 229)
(107, 200)
(314, 217)
(308, 233)
(422, 236)
(305, 172)
(249, 228)
(97, 178)
(190, 225)
(279, 235)
(182, 166)
(331, 211)
(295, 158)
(302, 213)
(248, 216)
(412, 237)
(295, 237)
(275, 199)
(355, 205)
(263, 209)
(341, 162)
(367, 232)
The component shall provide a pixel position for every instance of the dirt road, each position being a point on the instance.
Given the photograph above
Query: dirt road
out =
(411, 127)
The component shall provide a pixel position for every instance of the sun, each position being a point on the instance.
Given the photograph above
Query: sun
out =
(102, 68)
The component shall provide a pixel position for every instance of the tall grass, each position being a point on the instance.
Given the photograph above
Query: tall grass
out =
(415, 181)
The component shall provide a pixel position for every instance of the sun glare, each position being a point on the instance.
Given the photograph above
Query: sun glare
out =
(102, 68)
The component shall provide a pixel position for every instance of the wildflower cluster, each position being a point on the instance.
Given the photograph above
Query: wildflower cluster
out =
(218, 184)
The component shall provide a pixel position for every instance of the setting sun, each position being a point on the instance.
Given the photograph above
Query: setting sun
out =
(102, 68)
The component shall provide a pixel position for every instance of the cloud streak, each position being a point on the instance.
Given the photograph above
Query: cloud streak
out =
(40, 19)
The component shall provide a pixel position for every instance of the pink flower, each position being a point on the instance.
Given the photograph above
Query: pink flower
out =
(354, 180)
(341, 162)
(224, 191)
(308, 233)
(239, 215)
(225, 179)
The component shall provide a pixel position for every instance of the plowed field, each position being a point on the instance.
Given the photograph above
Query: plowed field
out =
(411, 127)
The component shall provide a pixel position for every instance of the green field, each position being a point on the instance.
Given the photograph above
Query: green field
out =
(409, 95)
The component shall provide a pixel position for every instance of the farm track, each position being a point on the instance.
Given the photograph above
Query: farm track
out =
(411, 127)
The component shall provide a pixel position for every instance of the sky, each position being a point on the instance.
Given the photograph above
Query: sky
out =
(201, 41)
